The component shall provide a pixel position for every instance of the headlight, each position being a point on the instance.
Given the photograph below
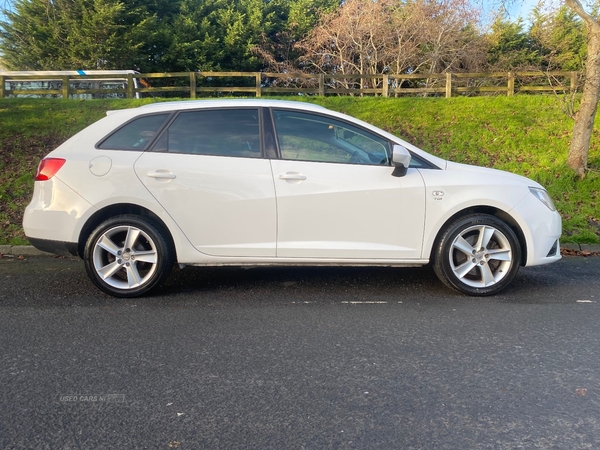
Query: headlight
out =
(543, 197)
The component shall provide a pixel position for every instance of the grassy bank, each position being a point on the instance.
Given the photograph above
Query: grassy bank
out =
(528, 135)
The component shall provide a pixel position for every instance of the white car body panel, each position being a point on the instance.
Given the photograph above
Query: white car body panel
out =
(120, 182)
(348, 211)
(541, 228)
(462, 187)
(56, 212)
(225, 206)
(452, 191)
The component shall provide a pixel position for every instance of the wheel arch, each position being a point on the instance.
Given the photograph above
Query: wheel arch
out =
(492, 211)
(118, 209)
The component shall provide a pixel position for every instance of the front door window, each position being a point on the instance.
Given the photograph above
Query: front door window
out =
(311, 137)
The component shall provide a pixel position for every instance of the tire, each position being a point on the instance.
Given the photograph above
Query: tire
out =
(477, 255)
(127, 256)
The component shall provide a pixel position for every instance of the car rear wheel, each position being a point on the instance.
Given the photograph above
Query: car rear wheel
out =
(478, 254)
(127, 256)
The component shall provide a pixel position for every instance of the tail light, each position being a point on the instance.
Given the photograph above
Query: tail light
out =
(48, 168)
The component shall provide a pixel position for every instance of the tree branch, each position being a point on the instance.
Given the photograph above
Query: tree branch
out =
(578, 8)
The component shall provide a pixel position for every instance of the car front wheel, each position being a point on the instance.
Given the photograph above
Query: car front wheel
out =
(478, 254)
(127, 256)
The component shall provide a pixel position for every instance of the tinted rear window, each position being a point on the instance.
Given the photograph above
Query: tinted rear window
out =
(135, 135)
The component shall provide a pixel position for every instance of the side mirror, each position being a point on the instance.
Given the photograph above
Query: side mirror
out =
(400, 160)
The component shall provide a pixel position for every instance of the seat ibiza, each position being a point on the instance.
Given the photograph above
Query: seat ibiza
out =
(266, 182)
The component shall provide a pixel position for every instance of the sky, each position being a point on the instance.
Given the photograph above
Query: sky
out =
(521, 8)
(514, 8)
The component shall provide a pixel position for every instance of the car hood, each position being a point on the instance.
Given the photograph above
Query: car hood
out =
(492, 174)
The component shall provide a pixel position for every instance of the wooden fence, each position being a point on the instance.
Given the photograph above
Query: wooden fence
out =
(198, 84)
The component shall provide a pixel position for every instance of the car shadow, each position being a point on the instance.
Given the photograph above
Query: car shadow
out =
(49, 282)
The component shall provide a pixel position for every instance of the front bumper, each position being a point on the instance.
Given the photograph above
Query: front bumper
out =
(541, 228)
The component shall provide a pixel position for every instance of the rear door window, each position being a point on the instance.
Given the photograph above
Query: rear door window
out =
(217, 132)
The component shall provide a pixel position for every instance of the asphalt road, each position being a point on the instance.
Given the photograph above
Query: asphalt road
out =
(299, 359)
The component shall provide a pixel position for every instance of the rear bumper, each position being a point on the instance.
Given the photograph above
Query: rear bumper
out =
(56, 247)
(54, 214)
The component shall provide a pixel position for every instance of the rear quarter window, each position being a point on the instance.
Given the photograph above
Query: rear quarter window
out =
(136, 134)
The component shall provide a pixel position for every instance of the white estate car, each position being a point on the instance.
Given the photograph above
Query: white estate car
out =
(264, 182)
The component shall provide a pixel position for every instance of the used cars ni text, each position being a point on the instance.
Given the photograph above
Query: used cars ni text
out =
(267, 182)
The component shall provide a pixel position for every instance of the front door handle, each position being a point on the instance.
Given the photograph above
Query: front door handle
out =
(162, 174)
(292, 176)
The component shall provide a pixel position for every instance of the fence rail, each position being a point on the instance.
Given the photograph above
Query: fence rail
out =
(194, 84)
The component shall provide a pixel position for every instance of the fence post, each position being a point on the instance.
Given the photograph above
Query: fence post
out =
(386, 85)
(129, 85)
(573, 82)
(258, 84)
(2, 81)
(65, 87)
(192, 84)
(448, 85)
(322, 84)
(511, 84)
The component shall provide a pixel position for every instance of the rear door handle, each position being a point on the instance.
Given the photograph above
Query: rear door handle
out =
(162, 174)
(292, 176)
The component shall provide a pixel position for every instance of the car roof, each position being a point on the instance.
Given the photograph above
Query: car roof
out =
(195, 104)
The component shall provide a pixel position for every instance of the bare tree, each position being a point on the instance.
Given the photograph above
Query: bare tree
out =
(585, 116)
(387, 36)
(354, 39)
(449, 40)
